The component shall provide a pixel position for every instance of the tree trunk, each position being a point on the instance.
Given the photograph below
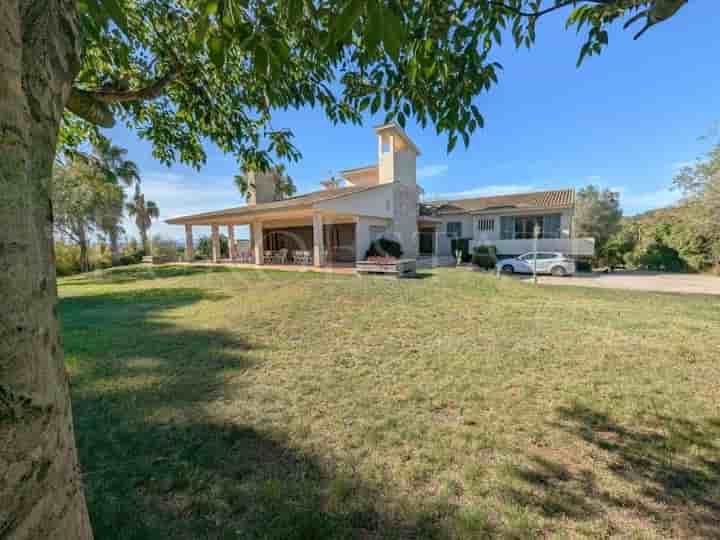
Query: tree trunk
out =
(144, 240)
(114, 248)
(41, 493)
(82, 242)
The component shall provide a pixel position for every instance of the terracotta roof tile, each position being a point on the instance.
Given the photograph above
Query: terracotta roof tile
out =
(563, 198)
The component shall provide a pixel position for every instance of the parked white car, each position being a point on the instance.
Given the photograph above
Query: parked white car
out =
(548, 262)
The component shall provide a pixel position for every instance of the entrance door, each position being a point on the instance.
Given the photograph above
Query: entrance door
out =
(426, 241)
(340, 242)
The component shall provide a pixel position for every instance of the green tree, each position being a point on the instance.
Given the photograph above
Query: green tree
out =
(701, 185)
(597, 214)
(81, 195)
(111, 160)
(144, 212)
(183, 71)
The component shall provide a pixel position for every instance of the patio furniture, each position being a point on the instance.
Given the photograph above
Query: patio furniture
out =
(245, 257)
(268, 257)
(280, 256)
(302, 257)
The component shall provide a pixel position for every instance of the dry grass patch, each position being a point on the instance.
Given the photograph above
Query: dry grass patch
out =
(212, 403)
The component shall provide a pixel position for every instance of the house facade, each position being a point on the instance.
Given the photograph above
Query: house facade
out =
(337, 224)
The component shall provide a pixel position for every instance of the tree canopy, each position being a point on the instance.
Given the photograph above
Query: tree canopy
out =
(180, 72)
(597, 214)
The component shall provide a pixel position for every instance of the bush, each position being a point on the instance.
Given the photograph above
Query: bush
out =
(583, 265)
(658, 256)
(485, 257)
(132, 258)
(67, 259)
(384, 247)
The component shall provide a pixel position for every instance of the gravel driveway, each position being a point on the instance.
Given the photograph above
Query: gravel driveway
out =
(642, 281)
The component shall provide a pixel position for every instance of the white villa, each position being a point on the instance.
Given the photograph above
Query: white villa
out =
(336, 225)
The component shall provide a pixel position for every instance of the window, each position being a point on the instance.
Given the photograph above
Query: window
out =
(523, 227)
(454, 229)
(551, 226)
(486, 224)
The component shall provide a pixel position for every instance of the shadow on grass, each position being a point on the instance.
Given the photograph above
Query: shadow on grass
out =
(158, 464)
(669, 470)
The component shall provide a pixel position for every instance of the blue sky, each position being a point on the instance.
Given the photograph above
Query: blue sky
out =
(625, 120)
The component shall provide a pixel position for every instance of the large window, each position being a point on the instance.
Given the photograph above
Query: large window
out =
(523, 227)
(454, 229)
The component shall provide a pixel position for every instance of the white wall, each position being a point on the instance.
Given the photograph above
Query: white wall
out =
(362, 234)
(376, 202)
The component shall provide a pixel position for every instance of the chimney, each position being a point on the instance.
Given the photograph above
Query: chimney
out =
(262, 187)
(396, 155)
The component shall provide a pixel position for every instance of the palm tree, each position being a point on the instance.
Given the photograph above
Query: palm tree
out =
(284, 185)
(144, 212)
(118, 170)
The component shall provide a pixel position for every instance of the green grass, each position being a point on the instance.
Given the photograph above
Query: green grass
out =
(212, 403)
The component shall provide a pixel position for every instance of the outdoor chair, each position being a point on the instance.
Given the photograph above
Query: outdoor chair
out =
(280, 256)
(302, 257)
(268, 257)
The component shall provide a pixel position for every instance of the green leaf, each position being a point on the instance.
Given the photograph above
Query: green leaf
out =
(116, 12)
(375, 104)
(392, 33)
(344, 23)
(452, 141)
(374, 27)
(216, 49)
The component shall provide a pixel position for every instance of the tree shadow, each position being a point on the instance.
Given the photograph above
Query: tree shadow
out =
(158, 463)
(665, 473)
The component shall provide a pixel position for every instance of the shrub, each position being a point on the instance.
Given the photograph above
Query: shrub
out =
(132, 258)
(384, 247)
(67, 259)
(485, 257)
(658, 256)
(583, 265)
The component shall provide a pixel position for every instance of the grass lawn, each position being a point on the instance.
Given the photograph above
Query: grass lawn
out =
(216, 403)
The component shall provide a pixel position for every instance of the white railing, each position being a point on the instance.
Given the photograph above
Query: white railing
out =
(577, 247)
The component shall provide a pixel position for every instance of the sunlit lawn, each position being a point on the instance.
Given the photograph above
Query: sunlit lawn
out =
(280, 405)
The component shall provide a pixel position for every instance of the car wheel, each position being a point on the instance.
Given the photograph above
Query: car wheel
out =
(558, 271)
(508, 269)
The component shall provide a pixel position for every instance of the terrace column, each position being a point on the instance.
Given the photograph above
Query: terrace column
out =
(318, 239)
(231, 242)
(188, 243)
(215, 243)
(257, 236)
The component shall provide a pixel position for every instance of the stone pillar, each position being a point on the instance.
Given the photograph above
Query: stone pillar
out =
(318, 240)
(231, 242)
(188, 243)
(258, 244)
(215, 243)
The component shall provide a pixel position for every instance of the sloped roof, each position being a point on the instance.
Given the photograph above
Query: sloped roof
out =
(563, 198)
(299, 201)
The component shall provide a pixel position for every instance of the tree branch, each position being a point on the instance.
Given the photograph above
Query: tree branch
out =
(92, 105)
(152, 91)
(549, 9)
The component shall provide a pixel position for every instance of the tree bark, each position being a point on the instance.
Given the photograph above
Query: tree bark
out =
(41, 493)
(83, 243)
(144, 240)
(114, 247)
